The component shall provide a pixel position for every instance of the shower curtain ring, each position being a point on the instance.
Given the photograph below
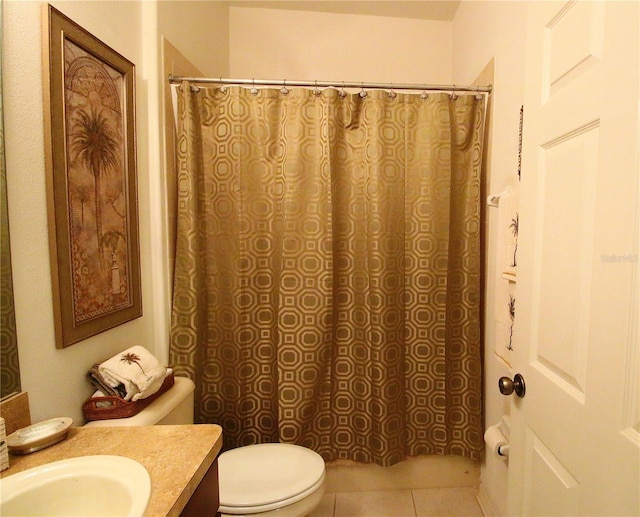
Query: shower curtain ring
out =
(478, 94)
(284, 90)
(254, 90)
(342, 93)
(223, 88)
(316, 90)
(453, 95)
(392, 94)
(362, 93)
(424, 95)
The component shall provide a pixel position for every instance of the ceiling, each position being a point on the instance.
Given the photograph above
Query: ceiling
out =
(443, 10)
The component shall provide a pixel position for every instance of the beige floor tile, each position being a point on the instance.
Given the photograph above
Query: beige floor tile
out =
(387, 503)
(326, 506)
(446, 502)
(421, 472)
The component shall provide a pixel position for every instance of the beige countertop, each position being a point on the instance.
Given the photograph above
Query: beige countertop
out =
(176, 457)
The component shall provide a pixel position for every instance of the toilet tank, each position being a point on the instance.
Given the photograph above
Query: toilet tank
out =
(173, 407)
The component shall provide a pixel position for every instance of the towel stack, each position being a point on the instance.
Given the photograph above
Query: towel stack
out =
(132, 374)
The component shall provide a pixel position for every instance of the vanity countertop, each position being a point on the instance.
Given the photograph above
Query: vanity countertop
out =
(176, 456)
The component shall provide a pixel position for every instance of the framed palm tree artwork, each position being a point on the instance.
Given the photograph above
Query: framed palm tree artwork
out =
(91, 181)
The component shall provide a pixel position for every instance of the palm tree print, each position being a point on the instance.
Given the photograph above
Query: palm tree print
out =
(111, 239)
(82, 194)
(131, 358)
(514, 231)
(96, 146)
(512, 314)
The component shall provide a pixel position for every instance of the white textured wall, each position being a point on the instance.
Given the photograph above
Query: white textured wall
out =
(279, 44)
(485, 30)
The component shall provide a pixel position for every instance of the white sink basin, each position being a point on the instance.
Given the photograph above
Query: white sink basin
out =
(84, 486)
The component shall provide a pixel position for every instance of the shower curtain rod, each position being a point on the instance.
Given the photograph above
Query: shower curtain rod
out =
(333, 84)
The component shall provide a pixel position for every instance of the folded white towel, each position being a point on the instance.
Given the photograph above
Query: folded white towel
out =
(99, 393)
(137, 369)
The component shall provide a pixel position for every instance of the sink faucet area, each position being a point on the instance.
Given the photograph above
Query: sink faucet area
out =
(87, 485)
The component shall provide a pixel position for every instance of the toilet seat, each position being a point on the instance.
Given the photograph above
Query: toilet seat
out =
(267, 476)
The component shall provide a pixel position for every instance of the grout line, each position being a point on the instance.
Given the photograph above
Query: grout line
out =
(413, 500)
(333, 512)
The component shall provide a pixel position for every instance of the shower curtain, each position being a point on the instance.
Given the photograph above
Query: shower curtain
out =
(327, 281)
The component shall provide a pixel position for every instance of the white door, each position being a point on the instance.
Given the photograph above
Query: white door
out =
(575, 442)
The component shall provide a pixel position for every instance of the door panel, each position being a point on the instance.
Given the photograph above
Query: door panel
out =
(573, 42)
(566, 193)
(550, 490)
(575, 450)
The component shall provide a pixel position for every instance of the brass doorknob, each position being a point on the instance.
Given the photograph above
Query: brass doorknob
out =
(508, 386)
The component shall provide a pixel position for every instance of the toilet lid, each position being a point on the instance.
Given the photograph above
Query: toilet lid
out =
(266, 474)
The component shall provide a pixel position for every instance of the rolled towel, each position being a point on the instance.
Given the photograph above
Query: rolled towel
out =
(96, 380)
(137, 369)
(107, 391)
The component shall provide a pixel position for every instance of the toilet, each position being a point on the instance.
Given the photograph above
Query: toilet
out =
(270, 479)
(262, 480)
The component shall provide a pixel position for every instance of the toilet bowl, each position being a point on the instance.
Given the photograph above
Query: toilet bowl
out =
(260, 480)
(270, 479)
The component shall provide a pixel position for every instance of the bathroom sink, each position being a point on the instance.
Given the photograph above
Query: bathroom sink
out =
(88, 485)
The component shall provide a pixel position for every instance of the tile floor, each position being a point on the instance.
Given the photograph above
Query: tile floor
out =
(423, 502)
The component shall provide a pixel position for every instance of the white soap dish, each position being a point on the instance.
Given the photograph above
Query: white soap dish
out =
(38, 436)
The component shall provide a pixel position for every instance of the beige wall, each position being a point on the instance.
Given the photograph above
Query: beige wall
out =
(55, 379)
(200, 31)
(183, 52)
(483, 31)
(279, 44)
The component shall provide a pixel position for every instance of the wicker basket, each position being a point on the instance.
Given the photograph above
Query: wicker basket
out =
(105, 408)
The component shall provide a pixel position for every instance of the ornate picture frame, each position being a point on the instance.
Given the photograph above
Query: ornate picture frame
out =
(91, 181)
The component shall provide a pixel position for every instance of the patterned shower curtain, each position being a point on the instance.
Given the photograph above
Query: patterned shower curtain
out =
(327, 282)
